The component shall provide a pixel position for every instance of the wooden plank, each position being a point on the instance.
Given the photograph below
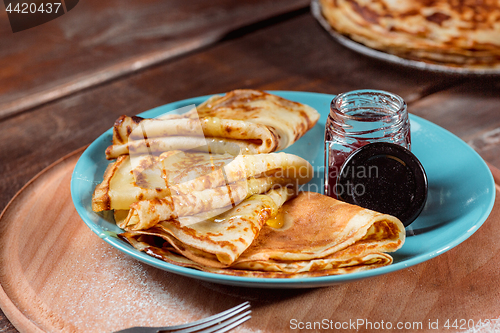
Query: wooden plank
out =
(471, 111)
(99, 41)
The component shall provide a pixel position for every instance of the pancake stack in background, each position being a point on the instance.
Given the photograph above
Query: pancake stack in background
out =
(447, 32)
(207, 190)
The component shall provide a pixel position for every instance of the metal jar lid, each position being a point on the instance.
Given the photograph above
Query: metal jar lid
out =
(384, 177)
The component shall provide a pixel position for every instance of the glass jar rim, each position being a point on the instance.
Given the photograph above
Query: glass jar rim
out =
(400, 107)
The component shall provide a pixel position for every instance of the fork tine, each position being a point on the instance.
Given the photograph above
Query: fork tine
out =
(221, 325)
(207, 322)
(233, 325)
(219, 318)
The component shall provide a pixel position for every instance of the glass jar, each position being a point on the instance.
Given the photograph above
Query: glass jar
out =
(357, 118)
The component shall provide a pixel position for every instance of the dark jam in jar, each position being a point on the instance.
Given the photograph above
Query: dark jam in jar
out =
(357, 118)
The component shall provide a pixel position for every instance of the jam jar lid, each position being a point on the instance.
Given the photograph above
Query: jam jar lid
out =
(384, 177)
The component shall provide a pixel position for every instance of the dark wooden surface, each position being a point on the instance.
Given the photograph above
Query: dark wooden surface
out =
(64, 83)
(101, 41)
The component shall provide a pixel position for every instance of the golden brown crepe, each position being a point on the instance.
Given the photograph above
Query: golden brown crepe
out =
(145, 214)
(220, 240)
(250, 121)
(320, 236)
(185, 193)
(342, 262)
(179, 184)
(453, 33)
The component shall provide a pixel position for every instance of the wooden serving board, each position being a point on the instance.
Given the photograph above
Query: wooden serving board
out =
(57, 276)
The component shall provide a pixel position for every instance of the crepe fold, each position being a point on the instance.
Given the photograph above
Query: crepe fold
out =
(180, 184)
(246, 121)
(220, 240)
(320, 236)
(145, 214)
(461, 34)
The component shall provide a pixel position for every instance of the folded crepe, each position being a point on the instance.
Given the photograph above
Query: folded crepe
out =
(320, 236)
(145, 214)
(219, 241)
(180, 184)
(132, 178)
(246, 121)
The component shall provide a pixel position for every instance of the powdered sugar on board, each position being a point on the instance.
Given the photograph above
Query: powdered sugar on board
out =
(57, 276)
(105, 290)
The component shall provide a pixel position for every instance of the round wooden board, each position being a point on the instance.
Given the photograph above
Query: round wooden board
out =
(57, 276)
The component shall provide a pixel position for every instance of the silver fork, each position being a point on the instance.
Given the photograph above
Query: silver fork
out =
(219, 323)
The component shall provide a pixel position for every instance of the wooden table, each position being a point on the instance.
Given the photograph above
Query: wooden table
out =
(64, 83)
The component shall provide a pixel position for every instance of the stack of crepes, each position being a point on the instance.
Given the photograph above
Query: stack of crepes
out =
(197, 201)
(202, 161)
(241, 122)
(454, 33)
(319, 236)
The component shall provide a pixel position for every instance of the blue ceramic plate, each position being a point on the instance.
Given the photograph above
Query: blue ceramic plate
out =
(460, 198)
